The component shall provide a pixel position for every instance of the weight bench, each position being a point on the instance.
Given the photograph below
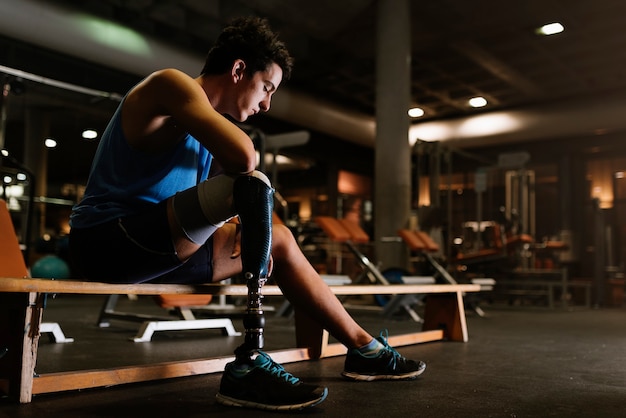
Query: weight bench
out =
(420, 242)
(182, 306)
(22, 304)
(348, 233)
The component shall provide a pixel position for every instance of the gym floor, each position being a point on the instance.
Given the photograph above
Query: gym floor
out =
(520, 361)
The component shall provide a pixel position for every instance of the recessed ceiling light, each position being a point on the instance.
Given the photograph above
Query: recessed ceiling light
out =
(416, 112)
(477, 101)
(89, 134)
(551, 29)
(50, 143)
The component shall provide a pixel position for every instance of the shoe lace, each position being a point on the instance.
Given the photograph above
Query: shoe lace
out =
(395, 356)
(278, 370)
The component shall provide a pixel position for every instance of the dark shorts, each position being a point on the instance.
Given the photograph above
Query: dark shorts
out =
(136, 249)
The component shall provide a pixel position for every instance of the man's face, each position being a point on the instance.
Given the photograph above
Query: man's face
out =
(254, 94)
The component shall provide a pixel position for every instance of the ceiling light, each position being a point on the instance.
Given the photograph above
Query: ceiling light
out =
(550, 29)
(112, 35)
(477, 102)
(416, 112)
(90, 134)
(50, 143)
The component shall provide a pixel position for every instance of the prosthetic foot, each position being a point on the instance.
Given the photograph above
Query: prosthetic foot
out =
(253, 200)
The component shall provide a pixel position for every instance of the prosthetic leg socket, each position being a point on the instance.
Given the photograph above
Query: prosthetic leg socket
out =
(253, 200)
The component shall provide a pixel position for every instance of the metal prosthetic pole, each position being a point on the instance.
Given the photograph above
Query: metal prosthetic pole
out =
(253, 200)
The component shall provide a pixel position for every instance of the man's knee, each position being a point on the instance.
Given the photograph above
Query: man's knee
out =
(282, 239)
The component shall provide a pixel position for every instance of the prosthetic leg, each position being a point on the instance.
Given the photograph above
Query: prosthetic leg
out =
(253, 200)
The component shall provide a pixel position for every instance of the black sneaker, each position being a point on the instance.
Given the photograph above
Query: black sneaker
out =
(388, 364)
(266, 385)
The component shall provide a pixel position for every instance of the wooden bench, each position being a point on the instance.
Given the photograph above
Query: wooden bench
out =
(23, 300)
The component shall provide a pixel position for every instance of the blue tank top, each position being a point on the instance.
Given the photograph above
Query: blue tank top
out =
(123, 181)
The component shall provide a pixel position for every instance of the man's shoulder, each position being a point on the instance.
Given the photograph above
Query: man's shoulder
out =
(164, 82)
(169, 74)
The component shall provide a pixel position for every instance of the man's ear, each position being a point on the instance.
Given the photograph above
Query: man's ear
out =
(238, 69)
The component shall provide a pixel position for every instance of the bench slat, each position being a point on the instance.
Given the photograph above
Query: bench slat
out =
(17, 285)
(85, 379)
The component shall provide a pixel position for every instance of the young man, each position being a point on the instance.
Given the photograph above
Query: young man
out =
(151, 207)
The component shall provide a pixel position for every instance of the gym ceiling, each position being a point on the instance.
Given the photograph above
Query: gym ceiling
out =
(566, 87)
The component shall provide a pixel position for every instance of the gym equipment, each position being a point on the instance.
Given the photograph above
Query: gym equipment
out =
(349, 233)
(181, 305)
(423, 245)
(482, 242)
(12, 265)
(403, 303)
(50, 267)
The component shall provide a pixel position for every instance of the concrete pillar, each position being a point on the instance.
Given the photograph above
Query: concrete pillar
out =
(392, 156)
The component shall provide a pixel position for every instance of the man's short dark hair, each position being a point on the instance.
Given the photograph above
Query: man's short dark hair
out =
(251, 40)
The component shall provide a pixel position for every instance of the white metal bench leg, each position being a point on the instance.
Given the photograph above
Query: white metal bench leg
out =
(57, 334)
(150, 327)
(486, 285)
